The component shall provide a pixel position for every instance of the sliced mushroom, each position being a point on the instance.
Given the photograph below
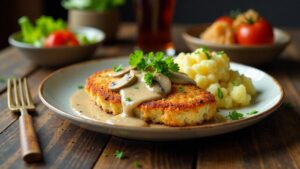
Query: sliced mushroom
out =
(162, 84)
(121, 73)
(127, 80)
(181, 78)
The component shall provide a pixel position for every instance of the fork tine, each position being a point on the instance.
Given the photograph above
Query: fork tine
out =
(27, 93)
(21, 93)
(16, 93)
(9, 94)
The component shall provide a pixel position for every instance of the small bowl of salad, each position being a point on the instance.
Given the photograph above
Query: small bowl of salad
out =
(50, 43)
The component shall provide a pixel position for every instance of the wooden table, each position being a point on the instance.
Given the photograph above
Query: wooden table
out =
(271, 143)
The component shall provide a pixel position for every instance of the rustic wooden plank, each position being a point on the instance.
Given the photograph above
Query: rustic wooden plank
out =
(64, 145)
(13, 64)
(165, 155)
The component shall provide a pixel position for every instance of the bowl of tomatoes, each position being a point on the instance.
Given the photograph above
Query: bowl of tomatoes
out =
(50, 43)
(247, 38)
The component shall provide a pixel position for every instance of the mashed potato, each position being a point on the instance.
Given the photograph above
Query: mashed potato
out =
(211, 71)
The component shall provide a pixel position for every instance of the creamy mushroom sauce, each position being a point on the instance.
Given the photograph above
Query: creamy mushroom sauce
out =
(133, 91)
(86, 107)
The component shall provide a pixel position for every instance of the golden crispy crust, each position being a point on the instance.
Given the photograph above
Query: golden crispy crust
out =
(191, 102)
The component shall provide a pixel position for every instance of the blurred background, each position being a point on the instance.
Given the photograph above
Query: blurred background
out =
(279, 13)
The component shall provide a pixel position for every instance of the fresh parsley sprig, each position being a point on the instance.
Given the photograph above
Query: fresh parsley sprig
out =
(152, 63)
(148, 78)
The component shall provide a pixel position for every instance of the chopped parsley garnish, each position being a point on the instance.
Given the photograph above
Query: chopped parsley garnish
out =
(119, 154)
(137, 164)
(252, 112)
(118, 68)
(152, 63)
(234, 115)
(181, 89)
(235, 83)
(80, 87)
(136, 87)
(287, 105)
(128, 99)
(148, 78)
(220, 93)
(220, 53)
(205, 50)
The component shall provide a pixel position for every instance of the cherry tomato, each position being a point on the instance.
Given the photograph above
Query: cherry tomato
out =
(61, 38)
(226, 19)
(253, 33)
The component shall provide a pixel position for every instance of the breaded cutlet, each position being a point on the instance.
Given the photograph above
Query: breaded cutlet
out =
(186, 104)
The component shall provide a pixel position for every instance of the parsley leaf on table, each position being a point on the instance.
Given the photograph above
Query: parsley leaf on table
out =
(119, 154)
(137, 164)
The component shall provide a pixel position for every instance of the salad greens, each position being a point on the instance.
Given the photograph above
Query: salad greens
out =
(35, 34)
(92, 5)
(43, 27)
(84, 40)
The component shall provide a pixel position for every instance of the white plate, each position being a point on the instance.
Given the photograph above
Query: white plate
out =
(55, 92)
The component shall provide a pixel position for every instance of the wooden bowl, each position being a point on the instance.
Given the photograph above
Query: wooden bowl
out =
(59, 56)
(251, 55)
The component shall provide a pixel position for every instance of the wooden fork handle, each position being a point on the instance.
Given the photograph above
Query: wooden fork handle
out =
(30, 148)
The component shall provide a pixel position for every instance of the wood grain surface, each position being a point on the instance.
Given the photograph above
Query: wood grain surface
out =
(271, 143)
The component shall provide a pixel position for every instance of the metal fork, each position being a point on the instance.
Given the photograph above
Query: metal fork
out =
(19, 100)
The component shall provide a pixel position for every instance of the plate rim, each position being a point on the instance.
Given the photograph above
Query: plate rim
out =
(71, 117)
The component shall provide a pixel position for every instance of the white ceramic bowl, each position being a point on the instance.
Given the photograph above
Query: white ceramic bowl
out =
(251, 55)
(59, 56)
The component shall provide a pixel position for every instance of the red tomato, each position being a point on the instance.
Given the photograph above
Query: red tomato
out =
(259, 32)
(61, 38)
(226, 19)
